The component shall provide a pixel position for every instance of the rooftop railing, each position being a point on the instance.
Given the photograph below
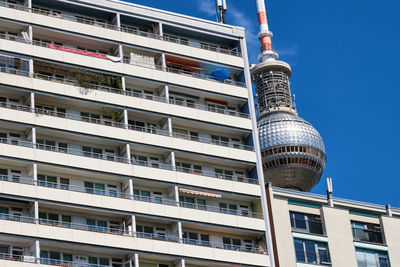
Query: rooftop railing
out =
(122, 232)
(93, 22)
(118, 194)
(367, 235)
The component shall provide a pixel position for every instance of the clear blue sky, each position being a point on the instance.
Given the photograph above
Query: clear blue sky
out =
(344, 56)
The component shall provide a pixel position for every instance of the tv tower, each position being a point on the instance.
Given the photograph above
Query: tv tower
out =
(293, 152)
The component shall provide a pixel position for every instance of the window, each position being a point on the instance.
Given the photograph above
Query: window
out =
(15, 138)
(224, 174)
(4, 174)
(50, 257)
(112, 190)
(204, 240)
(231, 243)
(183, 167)
(64, 183)
(15, 175)
(311, 252)
(145, 231)
(48, 218)
(92, 152)
(67, 258)
(189, 202)
(63, 147)
(96, 225)
(141, 195)
(157, 197)
(228, 208)
(306, 223)
(220, 140)
(47, 180)
(140, 160)
(46, 144)
(371, 258)
(94, 188)
(367, 232)
(190, 238)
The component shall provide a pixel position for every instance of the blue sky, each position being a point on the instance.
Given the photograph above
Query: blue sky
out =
(344, 56)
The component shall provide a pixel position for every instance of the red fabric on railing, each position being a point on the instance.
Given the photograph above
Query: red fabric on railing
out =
(72, 50)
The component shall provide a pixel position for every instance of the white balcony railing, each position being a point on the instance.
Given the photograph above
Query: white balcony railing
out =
(119, 194)
(124, 232)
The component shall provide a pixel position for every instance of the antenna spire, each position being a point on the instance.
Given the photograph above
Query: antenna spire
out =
(221, 10)
(267, 50)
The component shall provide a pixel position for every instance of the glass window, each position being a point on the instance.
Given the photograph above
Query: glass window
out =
(67, 257)
(371, 258)
(312, 252)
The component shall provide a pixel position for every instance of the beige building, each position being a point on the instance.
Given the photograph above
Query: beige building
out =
(126, 139)
(308, 231)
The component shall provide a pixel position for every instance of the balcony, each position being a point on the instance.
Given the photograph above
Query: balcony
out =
(113, 90)
(120, 194)
(122, 232)
(114, 68)
(106, 25)
(111, 123)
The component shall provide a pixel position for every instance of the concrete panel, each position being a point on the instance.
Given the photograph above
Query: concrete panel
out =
(283, 232)
(391, 229)
(340, 237)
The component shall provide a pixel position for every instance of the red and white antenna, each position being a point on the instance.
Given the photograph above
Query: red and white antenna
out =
(267, 50)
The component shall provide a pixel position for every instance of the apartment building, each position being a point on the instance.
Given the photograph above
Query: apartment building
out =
(126, 139)
(309, 231)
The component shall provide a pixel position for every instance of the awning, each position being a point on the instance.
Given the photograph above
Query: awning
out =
(199, 193)
(184, 62)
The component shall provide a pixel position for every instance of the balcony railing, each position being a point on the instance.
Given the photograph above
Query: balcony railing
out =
(233, 177)
(122, 232)
(212, 141)
(208, 108)
(118, 194)
(111, 157)
(307, 226)
(181, 72)
(126, 61)
(214, 244)
(122, 92)
(111, 123)
(46, 261)
(367, 235)
(90, 21)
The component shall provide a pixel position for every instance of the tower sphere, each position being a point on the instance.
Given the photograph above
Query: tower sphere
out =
(293, 152)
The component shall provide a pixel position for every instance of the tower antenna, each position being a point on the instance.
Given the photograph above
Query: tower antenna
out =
(267, 50)
(221, 9)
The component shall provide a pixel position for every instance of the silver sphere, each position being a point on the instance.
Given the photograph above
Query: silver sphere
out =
(292, 150)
